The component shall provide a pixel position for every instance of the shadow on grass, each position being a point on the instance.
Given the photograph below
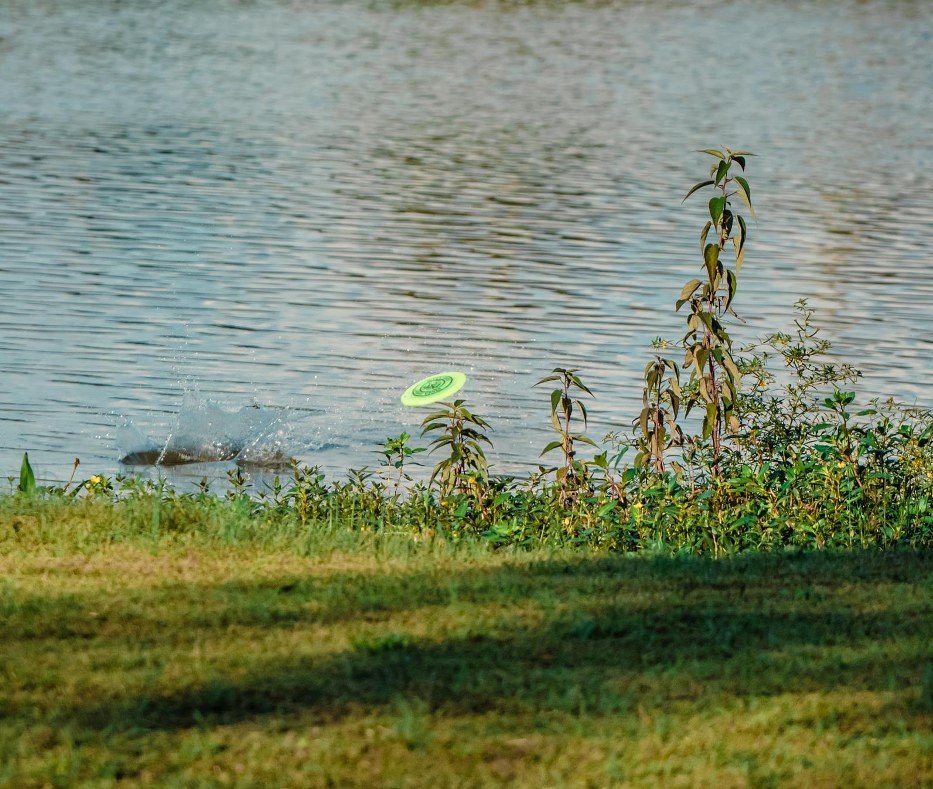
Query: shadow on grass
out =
(289, 600)
(629, 634)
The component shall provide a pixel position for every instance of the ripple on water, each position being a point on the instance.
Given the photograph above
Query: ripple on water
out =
(310, 206)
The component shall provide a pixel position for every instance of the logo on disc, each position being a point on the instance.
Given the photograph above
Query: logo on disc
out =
(433, 388)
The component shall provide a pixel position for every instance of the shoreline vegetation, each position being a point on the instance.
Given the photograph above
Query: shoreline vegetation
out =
(738, 592)
(735, 449)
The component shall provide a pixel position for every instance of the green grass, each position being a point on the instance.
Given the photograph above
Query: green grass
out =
(185, 657)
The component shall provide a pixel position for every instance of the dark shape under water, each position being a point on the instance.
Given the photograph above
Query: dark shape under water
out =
(184, 456)
(205, 433)
(176, 457)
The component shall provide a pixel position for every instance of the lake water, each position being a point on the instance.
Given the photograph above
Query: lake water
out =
(306, 206)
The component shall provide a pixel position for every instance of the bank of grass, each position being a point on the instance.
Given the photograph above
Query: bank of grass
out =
(132, 653)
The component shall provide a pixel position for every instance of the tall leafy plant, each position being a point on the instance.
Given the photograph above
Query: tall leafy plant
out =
(565, 398)
(657, 421)
(714, 374)
(398, 455)
(707, 343)
(462, 434)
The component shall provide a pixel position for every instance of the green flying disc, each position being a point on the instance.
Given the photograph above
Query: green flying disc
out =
(433, 388)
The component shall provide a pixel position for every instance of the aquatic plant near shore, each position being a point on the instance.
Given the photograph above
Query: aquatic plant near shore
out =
(714, 374)
(571, 477)
(463, 434)
(27, 478)
(879, 495)
(661, 399)
(397, 453)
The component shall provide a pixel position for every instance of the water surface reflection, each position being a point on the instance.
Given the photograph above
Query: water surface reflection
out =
(308, 206)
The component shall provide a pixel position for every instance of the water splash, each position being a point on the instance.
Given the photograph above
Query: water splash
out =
(205, 432)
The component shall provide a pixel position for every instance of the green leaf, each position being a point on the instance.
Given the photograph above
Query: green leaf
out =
(696, 187)
(730, 366)
(740, 160)
(608, 507)
(555, 400)
(434, 426)
(27, 479)
(643, 421)
(711, 256)
(721, 171)
(745, 194)
(713, 152)
(730, 279)
(716, 206)
(580, 385)
(651, 377)
(709, 420)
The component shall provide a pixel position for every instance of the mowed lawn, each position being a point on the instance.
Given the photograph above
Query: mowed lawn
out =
(388, 662)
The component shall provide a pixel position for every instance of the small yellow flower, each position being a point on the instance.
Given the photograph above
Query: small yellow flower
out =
(841, 464)
(664, 343)
(637, 505)
(96, 480)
